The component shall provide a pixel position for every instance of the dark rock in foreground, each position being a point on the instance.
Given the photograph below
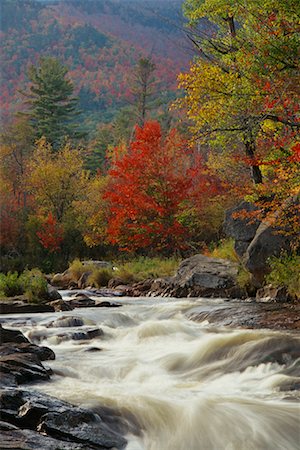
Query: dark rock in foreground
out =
(35, 421)
(60, 421)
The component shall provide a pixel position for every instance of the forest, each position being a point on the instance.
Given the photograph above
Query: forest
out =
(130, 131)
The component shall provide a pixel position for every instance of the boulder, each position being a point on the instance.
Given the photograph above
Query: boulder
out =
(200, 276)
(270, 293)
(53, 293)
(43, 353)
(241, 229)
(81, 301)
(61, 280)
(266, 242)
(13, 307)
(61, 305)
(66, 321)
(7, 335)
(204, 276)
(83, 280)
(63, 426)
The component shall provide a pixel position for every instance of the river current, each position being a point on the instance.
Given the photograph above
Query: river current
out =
(176, 383)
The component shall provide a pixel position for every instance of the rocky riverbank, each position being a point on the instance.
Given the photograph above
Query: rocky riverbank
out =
(35, 421)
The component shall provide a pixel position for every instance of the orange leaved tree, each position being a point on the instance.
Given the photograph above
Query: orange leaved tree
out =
(148, 188)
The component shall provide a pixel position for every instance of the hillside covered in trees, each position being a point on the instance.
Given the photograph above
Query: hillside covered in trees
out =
(99, 41)
(102, 153)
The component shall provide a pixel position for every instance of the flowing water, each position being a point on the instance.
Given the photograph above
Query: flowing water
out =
(178, 384)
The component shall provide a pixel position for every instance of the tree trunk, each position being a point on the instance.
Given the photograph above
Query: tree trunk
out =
(250, 152)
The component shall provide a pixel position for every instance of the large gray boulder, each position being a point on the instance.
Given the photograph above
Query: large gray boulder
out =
(241, 229)
(267, 242)
(201, 276)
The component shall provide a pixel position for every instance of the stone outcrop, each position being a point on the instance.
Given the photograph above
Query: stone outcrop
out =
(34, 421)
(255, 241)
(241, 228)
(266, 242)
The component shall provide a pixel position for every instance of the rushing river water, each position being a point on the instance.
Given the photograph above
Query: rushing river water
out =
(179, 384)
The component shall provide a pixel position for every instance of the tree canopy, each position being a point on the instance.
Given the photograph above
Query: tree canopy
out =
(52, 106)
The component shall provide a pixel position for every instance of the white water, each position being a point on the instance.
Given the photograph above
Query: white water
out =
(181, 385)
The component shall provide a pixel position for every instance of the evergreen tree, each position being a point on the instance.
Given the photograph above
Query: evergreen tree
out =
(52, 106)
(143, 88)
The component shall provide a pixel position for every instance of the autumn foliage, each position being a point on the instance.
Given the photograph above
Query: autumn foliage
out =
(50, 234)
(148, 188)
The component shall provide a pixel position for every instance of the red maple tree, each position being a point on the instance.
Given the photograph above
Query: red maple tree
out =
(147, 189)
(50, 235)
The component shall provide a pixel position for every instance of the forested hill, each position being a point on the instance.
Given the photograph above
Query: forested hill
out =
(100, 41)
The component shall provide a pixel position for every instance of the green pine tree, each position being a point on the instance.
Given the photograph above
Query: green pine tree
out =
(52, 107)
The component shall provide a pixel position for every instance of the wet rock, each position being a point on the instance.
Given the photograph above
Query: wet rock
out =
(87, 334)
(270, 293)
(106, 304)
(31, 440)
(93, 349)
(23, 367)
(7, 335)
(61, 305)
(82, 426)
(13, 307)
(53, 293)
(82, 301)
(43, 353)
(274, 316)
(66, 321)
(58, 419)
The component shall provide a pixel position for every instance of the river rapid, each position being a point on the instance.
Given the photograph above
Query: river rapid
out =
(176, 383)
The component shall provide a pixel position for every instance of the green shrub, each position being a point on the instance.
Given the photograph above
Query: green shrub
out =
(285, 271)
(11, 284)
(34, 285)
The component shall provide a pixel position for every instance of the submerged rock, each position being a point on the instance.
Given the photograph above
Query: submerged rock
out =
(66, 321)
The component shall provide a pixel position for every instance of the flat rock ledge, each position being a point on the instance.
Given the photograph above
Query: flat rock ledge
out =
(33, 421)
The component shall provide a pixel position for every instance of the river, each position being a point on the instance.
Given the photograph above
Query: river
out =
(178, 384)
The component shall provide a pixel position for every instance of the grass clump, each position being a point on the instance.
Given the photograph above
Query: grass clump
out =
(76, 269)
(100, 277)
(285, 271)
(142, 268)
(225, 250)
